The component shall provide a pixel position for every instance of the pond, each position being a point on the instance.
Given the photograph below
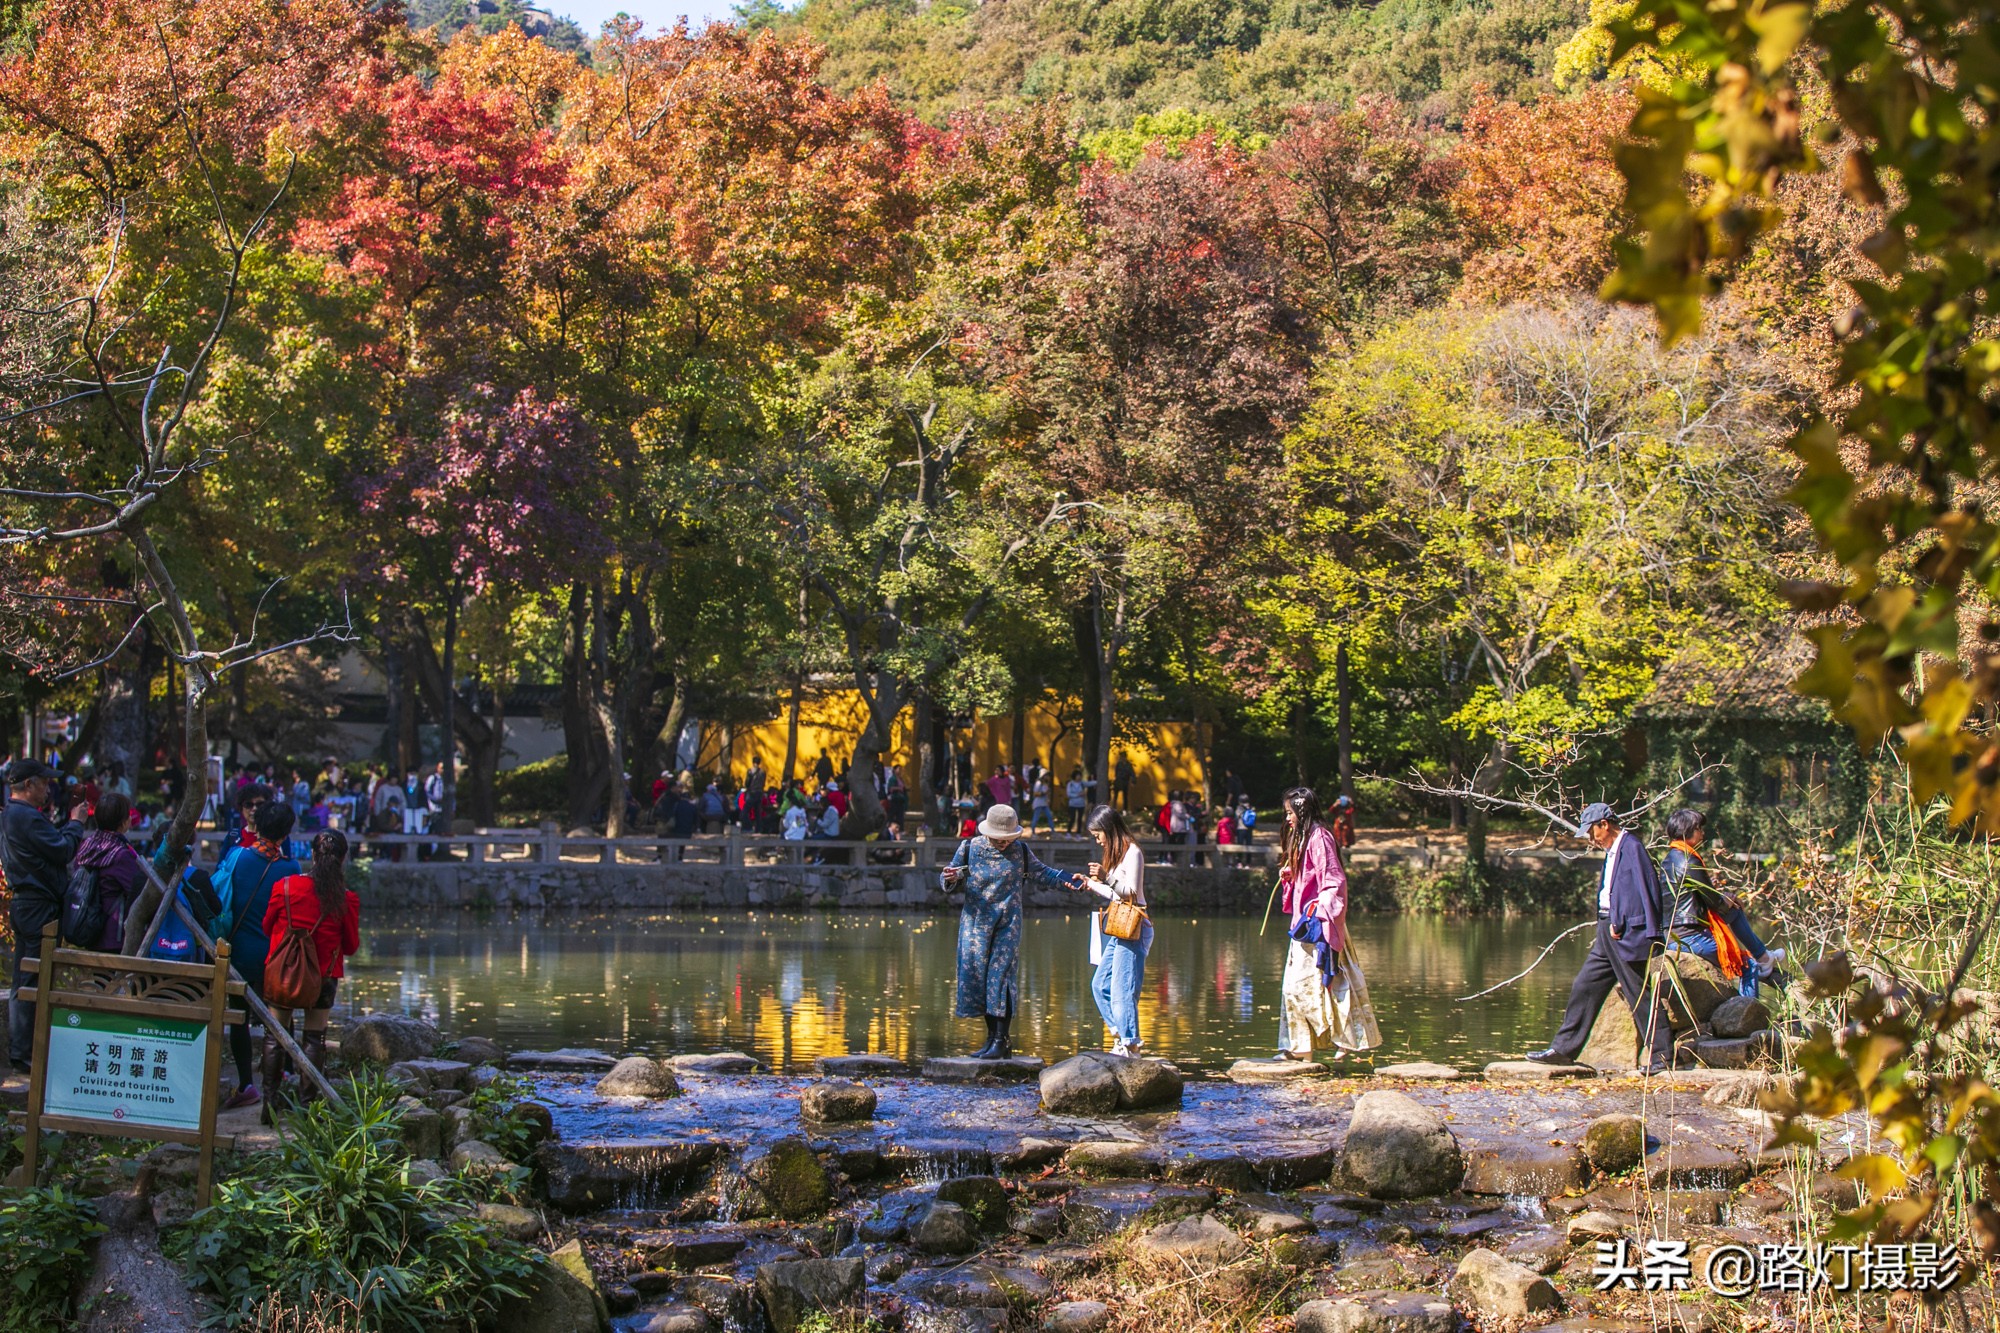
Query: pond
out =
(791, 988)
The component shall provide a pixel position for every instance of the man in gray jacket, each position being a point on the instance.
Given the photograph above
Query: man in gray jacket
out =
(36, 856)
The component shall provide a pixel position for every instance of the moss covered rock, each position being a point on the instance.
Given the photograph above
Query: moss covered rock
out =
(791, 1177)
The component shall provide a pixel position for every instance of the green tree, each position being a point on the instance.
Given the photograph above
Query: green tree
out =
(1546, 501)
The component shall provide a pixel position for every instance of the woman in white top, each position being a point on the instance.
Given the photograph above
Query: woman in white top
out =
(1119, 874)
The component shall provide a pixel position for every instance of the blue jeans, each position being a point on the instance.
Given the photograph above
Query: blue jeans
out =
(1116, 985)
(1702, 945)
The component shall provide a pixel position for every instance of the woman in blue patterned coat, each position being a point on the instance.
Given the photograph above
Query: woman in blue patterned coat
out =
(993, 869)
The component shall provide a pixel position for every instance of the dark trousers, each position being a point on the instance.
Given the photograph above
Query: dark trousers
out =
(20, 1013)
(1602, 969)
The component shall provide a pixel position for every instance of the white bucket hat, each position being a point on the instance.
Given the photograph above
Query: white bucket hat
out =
(1002, 824)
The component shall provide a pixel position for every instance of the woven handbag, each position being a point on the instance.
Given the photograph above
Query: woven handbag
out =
(1124, 920)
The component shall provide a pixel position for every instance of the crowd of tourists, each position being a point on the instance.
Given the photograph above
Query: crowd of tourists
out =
(282, 904)
(69, 858)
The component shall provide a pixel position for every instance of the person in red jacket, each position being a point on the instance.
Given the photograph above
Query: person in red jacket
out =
(323, 902)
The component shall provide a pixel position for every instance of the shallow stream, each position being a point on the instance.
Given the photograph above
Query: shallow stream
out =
(789, 988)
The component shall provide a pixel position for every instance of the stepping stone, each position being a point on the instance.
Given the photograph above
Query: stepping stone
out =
(1276, 1071)
(1370, 1311)
(1696, 1166)
(1523, 1166)
(965, 1069)
(1421, 1069)
(1528, 1071)
(571, 1059)
(720, 1062)
(860, 1066)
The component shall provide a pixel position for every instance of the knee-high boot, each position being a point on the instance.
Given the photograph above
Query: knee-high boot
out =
(315, 1048)
(271, 1073)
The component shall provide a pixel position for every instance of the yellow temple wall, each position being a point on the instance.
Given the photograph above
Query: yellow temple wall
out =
(1163, 754)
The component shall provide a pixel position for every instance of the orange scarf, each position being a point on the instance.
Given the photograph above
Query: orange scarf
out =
(1730, 956)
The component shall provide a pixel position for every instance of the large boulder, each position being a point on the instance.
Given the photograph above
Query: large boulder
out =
(480, 1051)
(1739, 1016)
(1146, 1085)
(1614, 1037)
(387, 1039)
(792, 1179)
(562, 1297)
(1495, 1289)
(1198, 1242)
(1398, 1148)
(1615, 1143)
(1524, 1166)
(1079, 1086)
(984, 1197)
(790, 1289)
(837, 1100)
(639, 1076)
(590, 1177)
(1095, 1083)
(944, 1228)
(1114, 1158)
(1694, 988)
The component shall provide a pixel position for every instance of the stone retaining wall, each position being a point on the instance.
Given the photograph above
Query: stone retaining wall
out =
(587, 888)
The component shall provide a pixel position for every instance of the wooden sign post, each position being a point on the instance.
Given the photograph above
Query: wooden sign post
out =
(127, 1046)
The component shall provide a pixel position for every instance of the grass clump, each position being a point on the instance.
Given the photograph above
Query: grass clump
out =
(44, 1254)
(332, 1233)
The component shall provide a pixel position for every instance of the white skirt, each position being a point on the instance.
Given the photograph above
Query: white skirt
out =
(1320, 1016)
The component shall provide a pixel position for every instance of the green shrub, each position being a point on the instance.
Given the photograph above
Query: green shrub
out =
(533, 789)
(335, 1227)
(494, 1121)
(42, 1256)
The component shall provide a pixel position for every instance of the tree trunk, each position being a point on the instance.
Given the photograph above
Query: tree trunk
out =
(924, 733)
(581, 741)
(608, 702)
(1344, 726)
(670, 730)
(448, 711)
(1084, 627)
(1018, 742)
(125, 706)
(1111, 643)
(1300, 712)
(392, 677)
(798, 690)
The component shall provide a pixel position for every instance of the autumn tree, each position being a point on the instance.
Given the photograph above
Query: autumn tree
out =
(1550, 502)
(1162, 359)
(501, 501)
(1539, 194)
(169, 137)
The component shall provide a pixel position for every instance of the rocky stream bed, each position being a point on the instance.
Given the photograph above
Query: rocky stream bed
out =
(701, 1193)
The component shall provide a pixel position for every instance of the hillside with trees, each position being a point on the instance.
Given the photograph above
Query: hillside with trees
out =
(654, 381)
(1246, 62)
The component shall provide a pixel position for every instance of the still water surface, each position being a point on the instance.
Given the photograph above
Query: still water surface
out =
(790, 988)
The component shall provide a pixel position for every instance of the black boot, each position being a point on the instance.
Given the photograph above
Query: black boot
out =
(1000, 1050)
(271, 1073)
(992, 1039)
(315, 1048)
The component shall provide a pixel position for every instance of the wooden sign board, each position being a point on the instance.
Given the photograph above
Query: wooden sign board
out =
(127, 1046)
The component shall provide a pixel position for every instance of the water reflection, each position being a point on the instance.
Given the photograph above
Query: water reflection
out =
(793, 987)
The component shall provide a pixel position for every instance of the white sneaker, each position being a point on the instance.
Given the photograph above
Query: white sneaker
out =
(1119, 1048)
(1769, 962)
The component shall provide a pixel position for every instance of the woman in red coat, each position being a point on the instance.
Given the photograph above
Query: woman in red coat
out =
(322, 902)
